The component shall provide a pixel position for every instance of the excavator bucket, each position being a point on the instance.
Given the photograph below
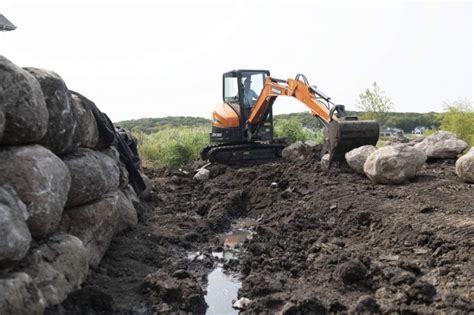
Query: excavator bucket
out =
(342, 136)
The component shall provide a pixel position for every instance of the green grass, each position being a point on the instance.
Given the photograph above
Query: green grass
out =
(173, 146)
(176, 146)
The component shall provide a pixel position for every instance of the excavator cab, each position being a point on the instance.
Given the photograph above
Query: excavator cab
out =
(241, 89)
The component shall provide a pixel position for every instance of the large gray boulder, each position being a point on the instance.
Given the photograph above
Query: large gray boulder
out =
(442, 145)
(294, 151)
(15, 237)
(95, 224)
(126, 212)
(146, 194)
(93, 174)
(131, 195)
(2, 120)
(394, 164)
(113, 153)
(465, 167)
(23, 112)
(42, 182)
(19, 295)
(356, 158)
(61, 137)
(58, 267)
(87, 129)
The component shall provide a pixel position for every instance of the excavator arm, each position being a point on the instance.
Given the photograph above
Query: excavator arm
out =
(296, 88)
(342, 133)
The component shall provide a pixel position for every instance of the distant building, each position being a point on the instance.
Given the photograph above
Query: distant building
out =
(419, 130)
(5, 24)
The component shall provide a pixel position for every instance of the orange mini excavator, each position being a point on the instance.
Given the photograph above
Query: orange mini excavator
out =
(242, 126)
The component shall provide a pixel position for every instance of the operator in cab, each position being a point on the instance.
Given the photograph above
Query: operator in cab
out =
(250, 97)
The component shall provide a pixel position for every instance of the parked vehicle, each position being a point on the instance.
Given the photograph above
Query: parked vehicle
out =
(387, 132)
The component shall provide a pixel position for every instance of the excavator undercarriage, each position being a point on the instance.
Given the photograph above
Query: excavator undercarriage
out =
(242, 153)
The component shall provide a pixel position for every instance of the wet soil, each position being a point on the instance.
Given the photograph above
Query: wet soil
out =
(318, 243)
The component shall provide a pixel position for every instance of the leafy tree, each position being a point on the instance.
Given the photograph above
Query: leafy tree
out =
(290, 128)
(459, 119)
(374, 104)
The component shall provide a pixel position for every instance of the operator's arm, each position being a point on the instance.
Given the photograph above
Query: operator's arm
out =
(253, 94)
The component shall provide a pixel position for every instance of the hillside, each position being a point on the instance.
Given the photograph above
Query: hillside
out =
(152, 125)
(405, 121)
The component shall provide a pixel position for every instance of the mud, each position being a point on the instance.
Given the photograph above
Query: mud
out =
(318, 243)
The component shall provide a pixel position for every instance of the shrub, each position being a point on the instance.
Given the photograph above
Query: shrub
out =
(459, 119)
(293, 129)
(173, 146)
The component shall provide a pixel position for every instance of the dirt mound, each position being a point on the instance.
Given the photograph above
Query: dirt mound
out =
(321, 242)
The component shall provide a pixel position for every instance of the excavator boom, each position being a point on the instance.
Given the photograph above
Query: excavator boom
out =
(342, 133)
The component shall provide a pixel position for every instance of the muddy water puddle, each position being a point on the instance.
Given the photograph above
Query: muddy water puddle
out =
(222, 287)
(235, 238)
(221, 292)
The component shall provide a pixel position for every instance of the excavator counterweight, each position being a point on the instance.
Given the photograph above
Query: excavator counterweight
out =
(242, 127)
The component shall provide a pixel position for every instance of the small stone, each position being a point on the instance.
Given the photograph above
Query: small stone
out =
(366, 304)
(333, 207)
(202, 175)
(325, 161)
(421, 291)
(242, 303)
(181, 274)
(443, 270)
(286, 193)
(351, 272)
(389, 257)
(273, 185)
(311, 143)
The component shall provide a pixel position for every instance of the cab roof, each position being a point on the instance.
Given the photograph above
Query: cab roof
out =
(239, 71)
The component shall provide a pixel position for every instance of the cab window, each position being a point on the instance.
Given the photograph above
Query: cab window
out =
(231, 90)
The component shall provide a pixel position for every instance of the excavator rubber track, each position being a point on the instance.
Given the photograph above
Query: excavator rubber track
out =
(244, 153)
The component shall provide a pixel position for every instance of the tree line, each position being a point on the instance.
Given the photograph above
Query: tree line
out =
(458, 117)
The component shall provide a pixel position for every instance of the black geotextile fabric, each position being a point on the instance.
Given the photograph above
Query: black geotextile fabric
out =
(127, 147)
(121, 139)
